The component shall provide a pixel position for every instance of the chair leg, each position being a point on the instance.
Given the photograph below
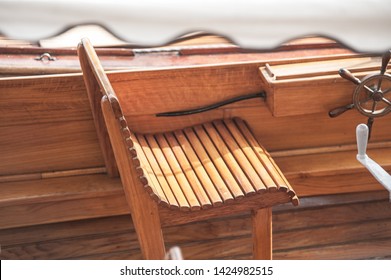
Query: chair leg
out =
(262, 234)
(149, 232)
(146, 219)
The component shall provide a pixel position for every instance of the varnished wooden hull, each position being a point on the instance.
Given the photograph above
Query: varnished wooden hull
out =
(56, 202)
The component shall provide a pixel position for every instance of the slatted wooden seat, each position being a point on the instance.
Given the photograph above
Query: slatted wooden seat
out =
(181, 169)
(209, 170)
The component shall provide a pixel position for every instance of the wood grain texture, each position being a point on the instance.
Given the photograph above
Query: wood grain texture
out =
(33, 100)
(57, 137)
(144, 210)
(94, 97)
(172, 161)
(357, 250)
(329, 163)
(20, 208)
(289, 84)
(49, 147)
(336, 184)
(178, 88)
(74, 248)
(55, 189)
(262, 234)
(236, 207)
(218, 194)
(18, 60)
(63, 210)
(303, 131)
(343, 227)
(213, 163)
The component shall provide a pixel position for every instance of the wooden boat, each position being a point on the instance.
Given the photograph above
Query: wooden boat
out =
(57, 201)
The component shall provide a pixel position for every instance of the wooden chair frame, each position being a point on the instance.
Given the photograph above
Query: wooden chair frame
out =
(118, 142)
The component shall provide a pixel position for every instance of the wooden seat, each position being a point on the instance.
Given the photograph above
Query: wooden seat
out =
(205, 171)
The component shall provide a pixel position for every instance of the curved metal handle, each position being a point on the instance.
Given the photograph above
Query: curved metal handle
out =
(45, 56)
(376, 170)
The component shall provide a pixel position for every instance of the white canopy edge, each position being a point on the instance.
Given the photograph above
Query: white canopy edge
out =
(363, 25)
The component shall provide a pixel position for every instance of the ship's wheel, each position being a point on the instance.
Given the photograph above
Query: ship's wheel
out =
(372, 95)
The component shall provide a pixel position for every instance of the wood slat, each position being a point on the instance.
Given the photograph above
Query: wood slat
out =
(171, 198)
(206, 194)
(225, 153)
(207, 151)
(184, 204)
(148, 177)
(250, 154)
(203, 166)
(183, 183)
(264, 157)
(239, 155)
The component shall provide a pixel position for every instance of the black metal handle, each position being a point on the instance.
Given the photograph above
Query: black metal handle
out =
(211, 107)
(385, 60)
(346, 74)
(340, 110)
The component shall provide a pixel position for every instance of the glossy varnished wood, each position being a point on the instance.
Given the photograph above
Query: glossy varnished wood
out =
(171, 161)
(32, 202)
(308, 232)
(287, 85)
(166, 154)
(147, 223)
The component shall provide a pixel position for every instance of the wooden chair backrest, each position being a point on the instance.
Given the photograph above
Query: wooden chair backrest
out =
(98, 86)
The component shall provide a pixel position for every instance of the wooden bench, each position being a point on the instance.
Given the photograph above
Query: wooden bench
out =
(209, 170)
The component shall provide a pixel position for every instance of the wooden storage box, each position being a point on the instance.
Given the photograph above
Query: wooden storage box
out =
(313, 86)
